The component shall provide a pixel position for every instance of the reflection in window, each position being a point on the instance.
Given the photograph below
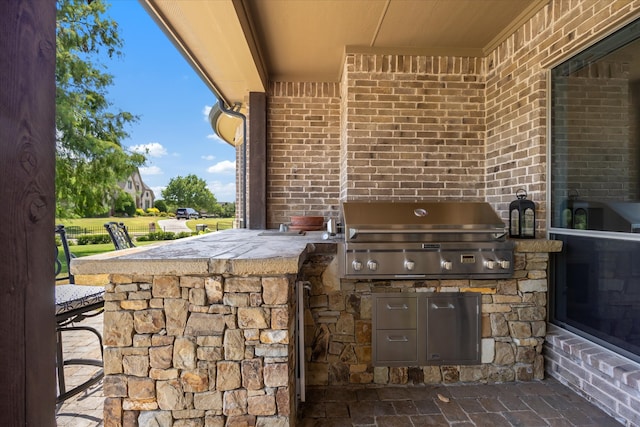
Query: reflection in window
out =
(595, 150)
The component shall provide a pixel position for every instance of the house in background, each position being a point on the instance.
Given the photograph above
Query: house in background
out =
(141, 193)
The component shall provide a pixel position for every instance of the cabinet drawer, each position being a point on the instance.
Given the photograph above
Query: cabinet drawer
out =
(396, 345)
(396, 312)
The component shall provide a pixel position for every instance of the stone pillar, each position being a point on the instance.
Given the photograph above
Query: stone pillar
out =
(199, 351)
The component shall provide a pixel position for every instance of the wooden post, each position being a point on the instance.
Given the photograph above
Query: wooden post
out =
(257, 168)
(27, 197)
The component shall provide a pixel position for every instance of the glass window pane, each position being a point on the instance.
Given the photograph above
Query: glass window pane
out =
(597, 290)
(595, 147)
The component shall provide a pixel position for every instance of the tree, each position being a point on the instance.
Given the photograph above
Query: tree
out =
(189, 191)
(161, 205)
(124, 204)
(228, 210)
(90, 160)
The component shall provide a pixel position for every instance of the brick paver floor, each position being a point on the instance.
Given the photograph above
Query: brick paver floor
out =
(84, 409)
(539, 403)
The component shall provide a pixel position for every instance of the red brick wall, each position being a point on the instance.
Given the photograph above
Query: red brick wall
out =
(413, 128)
(303, 151)
(516, 143)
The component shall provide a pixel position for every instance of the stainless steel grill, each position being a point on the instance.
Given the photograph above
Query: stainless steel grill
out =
(424, 240)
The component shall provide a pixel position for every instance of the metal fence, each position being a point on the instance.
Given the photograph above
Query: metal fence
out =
(74, 231)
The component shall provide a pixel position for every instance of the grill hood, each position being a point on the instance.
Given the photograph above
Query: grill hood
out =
(387, 240)
(444, 221)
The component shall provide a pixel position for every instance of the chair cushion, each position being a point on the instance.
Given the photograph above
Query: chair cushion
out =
(71, 297)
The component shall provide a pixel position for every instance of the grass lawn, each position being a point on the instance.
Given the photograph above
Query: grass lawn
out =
(86, 250)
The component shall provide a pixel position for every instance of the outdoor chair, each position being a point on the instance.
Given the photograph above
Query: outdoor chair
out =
(119, 235)
(74, 303)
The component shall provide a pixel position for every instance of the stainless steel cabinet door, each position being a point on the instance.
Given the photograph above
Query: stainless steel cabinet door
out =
(453, 328)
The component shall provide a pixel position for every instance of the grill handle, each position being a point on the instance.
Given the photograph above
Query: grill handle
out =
(448, 306)
(497, 233)
(397, 338)
(428, 231)
(397, 307)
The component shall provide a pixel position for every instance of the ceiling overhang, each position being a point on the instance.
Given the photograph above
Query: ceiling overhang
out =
(239, 46)
(216, 38)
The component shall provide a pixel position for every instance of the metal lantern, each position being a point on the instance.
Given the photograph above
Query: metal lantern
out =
(522, 217)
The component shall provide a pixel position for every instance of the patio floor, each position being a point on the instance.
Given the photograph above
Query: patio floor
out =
(539, 403)
(84, 409)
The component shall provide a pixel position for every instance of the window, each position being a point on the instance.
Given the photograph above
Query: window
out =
(595, 191)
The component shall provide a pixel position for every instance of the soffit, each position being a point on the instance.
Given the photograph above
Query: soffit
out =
(238, 46)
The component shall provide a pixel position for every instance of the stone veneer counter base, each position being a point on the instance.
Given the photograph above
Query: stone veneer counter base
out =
(200, 331)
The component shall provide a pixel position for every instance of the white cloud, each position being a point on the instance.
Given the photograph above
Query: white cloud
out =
(150, 170)
(205, 112)
(216, 138)
(224, 166)
(209, 157)
(153, 149)
(157, 191)
(224, 192)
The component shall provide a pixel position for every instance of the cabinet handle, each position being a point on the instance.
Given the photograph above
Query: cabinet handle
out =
(397, 307)
(442, 307)
(397, 338)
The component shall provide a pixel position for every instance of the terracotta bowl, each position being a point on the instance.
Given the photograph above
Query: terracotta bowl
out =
(305, 227)
(307, 223)
(307, 220)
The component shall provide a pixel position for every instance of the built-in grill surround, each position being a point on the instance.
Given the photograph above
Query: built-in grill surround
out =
(398, 240)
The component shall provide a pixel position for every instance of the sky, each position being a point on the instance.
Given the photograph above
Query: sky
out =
(153, 80)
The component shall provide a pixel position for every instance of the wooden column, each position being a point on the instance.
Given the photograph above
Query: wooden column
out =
(257, 167)
(27, 174)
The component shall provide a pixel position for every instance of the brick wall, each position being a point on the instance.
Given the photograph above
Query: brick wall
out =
(413, 128)
(609, 380)
(517, 89)
(303, 151)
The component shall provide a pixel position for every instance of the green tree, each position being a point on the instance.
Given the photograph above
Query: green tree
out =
(161, 205)
(90, 160)
(228, 210)
(124, 204)
(189, 192)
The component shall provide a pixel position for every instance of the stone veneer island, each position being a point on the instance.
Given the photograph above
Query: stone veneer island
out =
(201, 331)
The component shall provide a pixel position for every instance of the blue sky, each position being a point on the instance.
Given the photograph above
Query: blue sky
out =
(154, 81)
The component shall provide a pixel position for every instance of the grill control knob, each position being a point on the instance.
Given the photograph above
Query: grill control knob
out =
(490, 264)
(372, 265)
(409, 265)
(447, 265)
(357, 265)
(504, 264)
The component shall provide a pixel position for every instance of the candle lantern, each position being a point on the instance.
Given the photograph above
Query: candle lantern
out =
(522, 217)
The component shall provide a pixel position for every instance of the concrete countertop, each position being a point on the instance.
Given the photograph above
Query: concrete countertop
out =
(236, 252)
